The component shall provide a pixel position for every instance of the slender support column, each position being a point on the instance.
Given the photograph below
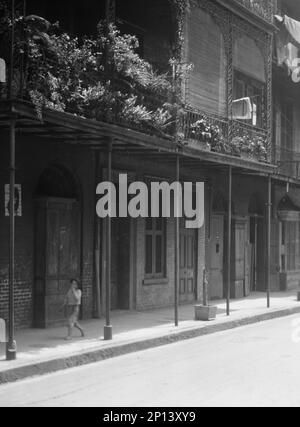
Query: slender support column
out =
(11, 349)
(269, 206)
(97, 242)
(255, 255)
(108, 326)
(229, 240)
(177, 247)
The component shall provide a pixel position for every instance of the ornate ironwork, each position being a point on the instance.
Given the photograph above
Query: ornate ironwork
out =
(192, 116)
(264, 42)
(232, 28)
(264, 9)
(252, 141)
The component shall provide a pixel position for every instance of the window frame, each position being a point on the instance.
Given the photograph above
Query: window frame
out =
(154, 233)
(248, 85)
(289, 246)
(287, 126)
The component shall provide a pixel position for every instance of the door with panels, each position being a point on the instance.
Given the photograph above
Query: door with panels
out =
(216, 259)
(57, 257)
(188, 239)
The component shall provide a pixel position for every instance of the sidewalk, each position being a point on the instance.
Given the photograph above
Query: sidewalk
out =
(45, 351)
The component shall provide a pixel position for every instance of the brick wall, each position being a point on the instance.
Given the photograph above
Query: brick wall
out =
(33, 156)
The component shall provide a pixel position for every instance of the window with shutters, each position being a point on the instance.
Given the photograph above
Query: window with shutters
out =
(287, 126)
(290, 246)
(155, 248)
(207, 83)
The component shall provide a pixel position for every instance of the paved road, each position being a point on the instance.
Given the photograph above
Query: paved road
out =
(258, 365)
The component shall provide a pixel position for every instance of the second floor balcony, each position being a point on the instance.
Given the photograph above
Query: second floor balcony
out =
(264, 9)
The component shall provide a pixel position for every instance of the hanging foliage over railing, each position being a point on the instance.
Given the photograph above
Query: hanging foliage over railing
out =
(103, 78)
(66, 74)
(211, 133)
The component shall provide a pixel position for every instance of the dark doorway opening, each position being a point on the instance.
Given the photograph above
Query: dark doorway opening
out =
(121, 260)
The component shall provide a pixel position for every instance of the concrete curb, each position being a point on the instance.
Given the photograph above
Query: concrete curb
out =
(92, 356)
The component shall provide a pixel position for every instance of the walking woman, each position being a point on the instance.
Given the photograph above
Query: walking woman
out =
(72, 305)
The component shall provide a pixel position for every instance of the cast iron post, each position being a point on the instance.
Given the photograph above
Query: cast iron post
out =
(108, 326)
(229, 239)
(269, 205)
(177, 244)
(11, 348)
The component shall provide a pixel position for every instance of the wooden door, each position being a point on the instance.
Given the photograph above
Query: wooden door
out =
(187, 264)
(275, 254)
(120, 264)
(216, 249)
(261, 255)
(57, 257)
(242, 269)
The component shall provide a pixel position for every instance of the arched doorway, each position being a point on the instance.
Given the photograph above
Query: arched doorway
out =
(57, 243)
(256, 243)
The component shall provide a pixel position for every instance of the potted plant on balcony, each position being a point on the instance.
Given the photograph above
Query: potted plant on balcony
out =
(203, 132)
(258, 149)
(205, 311)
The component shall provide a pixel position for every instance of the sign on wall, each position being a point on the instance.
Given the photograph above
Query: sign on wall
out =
(18, 199)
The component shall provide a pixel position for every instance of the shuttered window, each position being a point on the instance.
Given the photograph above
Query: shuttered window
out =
(248, 58)
(155, 248)
(287, 126)
(207, 84)
(290, 246)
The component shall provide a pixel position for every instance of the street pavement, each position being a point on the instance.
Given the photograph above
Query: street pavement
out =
(255, 365)
(46, 351)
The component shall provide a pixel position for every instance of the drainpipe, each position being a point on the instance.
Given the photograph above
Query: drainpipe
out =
(229, 240)
(108, 326)
(177, 246)
(269, 206)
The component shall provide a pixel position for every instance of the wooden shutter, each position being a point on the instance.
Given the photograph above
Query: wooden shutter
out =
(248, 58)
(205, 50)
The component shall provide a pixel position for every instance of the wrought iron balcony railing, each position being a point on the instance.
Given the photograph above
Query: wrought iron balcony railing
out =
(252, 141)
(211, 133)
(264, 9)
(148, 113)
